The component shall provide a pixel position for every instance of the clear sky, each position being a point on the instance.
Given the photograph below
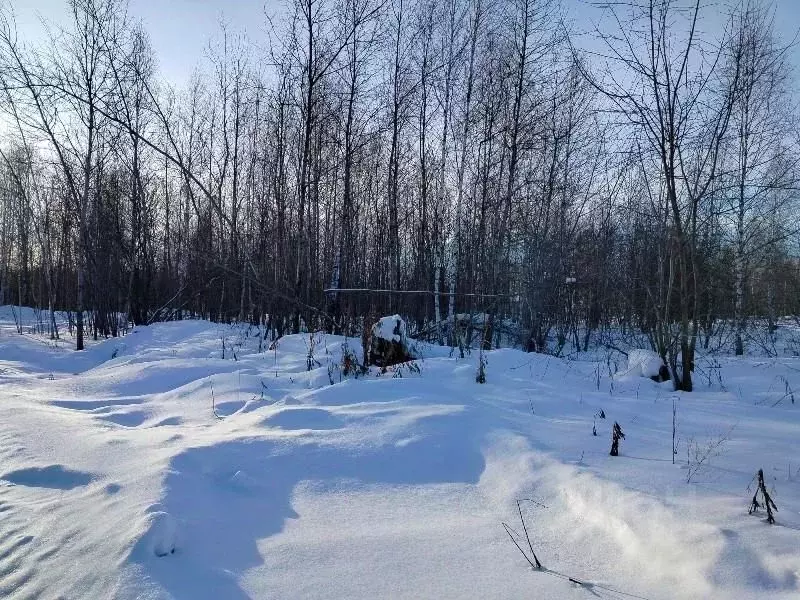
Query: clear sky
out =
(181, 29)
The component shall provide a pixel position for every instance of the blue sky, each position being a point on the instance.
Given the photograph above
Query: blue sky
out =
(181, 29)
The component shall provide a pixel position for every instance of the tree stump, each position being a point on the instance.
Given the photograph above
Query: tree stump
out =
(389, 343)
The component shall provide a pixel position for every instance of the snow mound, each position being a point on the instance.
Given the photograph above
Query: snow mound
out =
(160, 538)
(643, 363)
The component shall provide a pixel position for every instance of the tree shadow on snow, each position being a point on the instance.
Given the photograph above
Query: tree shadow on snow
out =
(227, 497)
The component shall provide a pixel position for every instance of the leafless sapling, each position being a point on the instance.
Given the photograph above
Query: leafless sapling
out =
(767, 499)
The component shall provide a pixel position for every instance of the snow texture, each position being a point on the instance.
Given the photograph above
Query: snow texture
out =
(118, 480)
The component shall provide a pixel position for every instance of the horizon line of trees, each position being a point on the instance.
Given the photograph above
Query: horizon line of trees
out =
(461, 163)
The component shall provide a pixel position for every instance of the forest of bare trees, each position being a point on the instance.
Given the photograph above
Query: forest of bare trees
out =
(469, 164)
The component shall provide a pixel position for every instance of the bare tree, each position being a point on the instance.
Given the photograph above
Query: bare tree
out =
(665, 89)
(759, 171)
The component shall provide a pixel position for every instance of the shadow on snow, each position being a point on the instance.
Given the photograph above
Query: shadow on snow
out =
(228, 496)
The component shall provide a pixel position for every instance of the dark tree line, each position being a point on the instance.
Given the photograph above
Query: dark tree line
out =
(463, 163)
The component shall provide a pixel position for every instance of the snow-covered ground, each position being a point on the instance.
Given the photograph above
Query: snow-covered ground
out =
(150, 467)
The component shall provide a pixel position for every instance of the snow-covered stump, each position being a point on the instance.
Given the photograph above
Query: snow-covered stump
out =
(646, 363)
(389, 342)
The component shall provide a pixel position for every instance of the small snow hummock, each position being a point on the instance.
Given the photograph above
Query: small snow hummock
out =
(646, 363)
(161, 536)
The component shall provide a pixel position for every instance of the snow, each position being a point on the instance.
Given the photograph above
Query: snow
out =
(117, 479)
(391, 329)
(160, 538)
(643, 363)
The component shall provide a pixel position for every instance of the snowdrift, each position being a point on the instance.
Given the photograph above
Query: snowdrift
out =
(151, 467)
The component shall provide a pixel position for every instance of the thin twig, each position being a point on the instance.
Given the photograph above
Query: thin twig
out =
(213, 402)
(507, 528)
(527, 537)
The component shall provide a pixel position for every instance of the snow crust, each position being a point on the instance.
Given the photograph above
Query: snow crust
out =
(118, 480)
